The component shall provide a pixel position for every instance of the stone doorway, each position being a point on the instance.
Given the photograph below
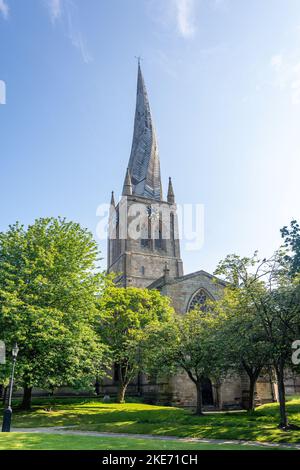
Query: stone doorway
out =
(207, 392)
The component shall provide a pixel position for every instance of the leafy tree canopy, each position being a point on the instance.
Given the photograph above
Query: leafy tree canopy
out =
(125, 315)
(49, 279)
(291, 236)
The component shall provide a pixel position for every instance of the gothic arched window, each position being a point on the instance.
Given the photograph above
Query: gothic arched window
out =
(199, 300)
(159, 237)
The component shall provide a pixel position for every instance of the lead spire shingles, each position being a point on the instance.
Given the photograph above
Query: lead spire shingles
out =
(144, 165)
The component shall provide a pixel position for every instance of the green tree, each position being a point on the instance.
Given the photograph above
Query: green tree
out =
(4, 379)
(266, 286)
(241, 337)
(291, 238)
(198, 351)
(280, 317)
(48, 285)
(125, 315)
(189, 343)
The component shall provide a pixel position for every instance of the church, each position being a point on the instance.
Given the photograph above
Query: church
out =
(152, 260)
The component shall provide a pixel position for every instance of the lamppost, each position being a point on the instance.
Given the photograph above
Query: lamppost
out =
(8, 412)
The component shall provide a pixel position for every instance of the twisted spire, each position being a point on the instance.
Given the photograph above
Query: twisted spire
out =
(144, 165)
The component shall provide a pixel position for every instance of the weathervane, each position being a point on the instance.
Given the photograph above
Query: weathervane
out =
(138, 58)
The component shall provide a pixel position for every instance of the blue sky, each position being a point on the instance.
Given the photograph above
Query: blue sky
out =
(223, 78)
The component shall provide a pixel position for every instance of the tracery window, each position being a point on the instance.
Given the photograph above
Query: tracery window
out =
(199, 300)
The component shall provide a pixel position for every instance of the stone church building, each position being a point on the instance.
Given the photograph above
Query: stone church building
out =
(154, 261)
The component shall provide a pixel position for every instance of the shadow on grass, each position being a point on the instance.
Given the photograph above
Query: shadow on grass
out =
(138, 418)
(19, 441)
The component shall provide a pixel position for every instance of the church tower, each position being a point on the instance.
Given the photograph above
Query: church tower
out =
(143, 242)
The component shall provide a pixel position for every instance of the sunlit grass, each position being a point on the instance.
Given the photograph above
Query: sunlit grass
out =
(139, 418)
(22, 441)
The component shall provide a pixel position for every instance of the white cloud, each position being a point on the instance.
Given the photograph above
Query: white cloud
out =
(73, 31)
(287, 75)
(68, 13)
(276, 61)
(4, 9)
(55, 9)
(182, 15)
(2, 92)
(185, 12)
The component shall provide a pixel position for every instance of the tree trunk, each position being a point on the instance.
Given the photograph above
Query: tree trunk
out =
(281, 395)
(199, 411)
(26, 402)
(121, 392)
(251, 405)
(271, 385)
(97, 387)
(253, 374)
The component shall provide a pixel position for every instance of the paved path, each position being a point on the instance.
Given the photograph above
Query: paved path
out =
(67, 430)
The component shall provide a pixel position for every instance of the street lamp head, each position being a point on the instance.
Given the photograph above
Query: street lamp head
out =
(15, 351)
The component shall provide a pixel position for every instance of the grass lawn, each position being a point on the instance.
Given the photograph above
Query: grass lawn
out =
(138, 418)
(19, 441)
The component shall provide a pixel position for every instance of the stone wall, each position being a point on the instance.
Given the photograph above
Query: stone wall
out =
(182, 289)
(140, 264)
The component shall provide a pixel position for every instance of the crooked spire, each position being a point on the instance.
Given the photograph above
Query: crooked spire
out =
(144, 165)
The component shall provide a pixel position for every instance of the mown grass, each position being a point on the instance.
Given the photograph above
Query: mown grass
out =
(23, 441)
(139, 418)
